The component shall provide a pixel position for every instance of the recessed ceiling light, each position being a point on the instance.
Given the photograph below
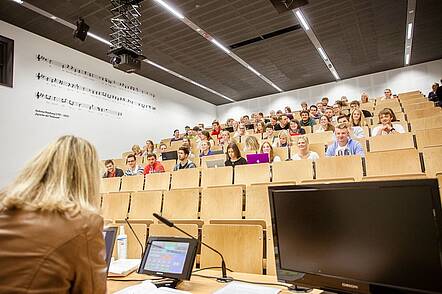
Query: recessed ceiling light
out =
(409, 30)
(170, 8)
(407, 59)
(323, 55)
(53, 17)
(18, 1)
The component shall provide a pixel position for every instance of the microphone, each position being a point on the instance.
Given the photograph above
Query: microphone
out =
(225, 278)
(136, 237)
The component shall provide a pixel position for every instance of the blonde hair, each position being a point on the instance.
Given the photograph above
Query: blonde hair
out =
(271, 155)
(136, 149)
(362, 121)
(63, 177)
(251, 143)
(285, 133)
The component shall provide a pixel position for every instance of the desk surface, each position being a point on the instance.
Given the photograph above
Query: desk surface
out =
(197, 284)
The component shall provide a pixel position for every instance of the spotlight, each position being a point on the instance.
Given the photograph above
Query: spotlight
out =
(82, 29)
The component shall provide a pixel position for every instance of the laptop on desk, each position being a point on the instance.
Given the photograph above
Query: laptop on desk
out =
(257, 158)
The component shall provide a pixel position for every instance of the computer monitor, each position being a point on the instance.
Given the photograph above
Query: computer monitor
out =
(369, 237)
(109, 235)
(169, 155)
(169, 257)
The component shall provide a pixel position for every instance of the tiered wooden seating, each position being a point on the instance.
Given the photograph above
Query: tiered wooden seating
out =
(133, 247)
(428, 138)
(294, 171)
(221, 203)
(120, 163)
(211, 158)
(407, 102)
(168, 164)
(144, 204)
(157, 181)
(316, 147)
(433, 160)
(391, 142)
(417, 106)
(181, 204)
(220, 176)
(411, 93)
(125, 154)
(282, 152)
(161, 230)
(396, 164)
(175, 145)
(252, 174)
(185, 178)
(423, 113)
(426, 123)
(132, 183)
(110, 185)
(241, 245)
(323, 138)
(339, 168)
(115, 206)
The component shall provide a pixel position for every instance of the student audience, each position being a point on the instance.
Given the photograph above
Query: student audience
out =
(306, 120)
(283, 123)
(325, 125)
(386, 125)
(149, 147)
(284, 139)
(51, 233)
(183, 159)
(153, 166)
(267, 148)
(111, 170)
(133, 168)
(357, 118)
(216, 129)
(251, 144)
(295, 128)
(314, 112)
(343, 144)
(356, 132)
(387, 94)
(205, 148)
(136, 150)
(260, 127)
(269, 134)
(240, 132)
(234, 157)
(176, 136)
(303, 151)
(432, 96)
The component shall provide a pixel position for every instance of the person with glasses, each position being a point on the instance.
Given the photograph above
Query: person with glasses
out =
(133, 168)
(387, 94)
(240, 132)
(343, 144)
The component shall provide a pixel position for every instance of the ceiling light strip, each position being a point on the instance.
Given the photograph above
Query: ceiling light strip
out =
(210, 38)
(311, 35)
(98, 38)
(409, 27)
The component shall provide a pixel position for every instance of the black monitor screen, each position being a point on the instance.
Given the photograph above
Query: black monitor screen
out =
(382, 234)
(109, 235)
(169, 257)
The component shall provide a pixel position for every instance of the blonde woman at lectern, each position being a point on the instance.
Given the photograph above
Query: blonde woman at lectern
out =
(51, 238)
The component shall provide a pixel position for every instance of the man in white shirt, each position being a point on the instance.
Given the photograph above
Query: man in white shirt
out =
(386, 118)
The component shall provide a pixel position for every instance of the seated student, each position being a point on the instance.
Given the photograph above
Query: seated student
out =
(288, 112)
(205, 149)
(234, 157)
(266, 147)
(136, 149)
(273, 121)
(356, 132)
(386, 127)
(329, 113)
(343, 144)
(303, 151)
(188, 144)
(240, 132)
(324, 102)
(153, 166)
(337, 109)
(314, 112)
(324, 125)
(364, 98)
(183, 159)
(216, 131)
(269, 135)
(205, 136)
(133, 168)
(295, 128)
(432, 96)
(357, 118)
(251, 144)
(284, 139)
(149, 148)
(111, 170)
(344, 100)
(306, 120)
(163, 148)
(51, 233)
(387, 94)
(225, 139)
(260, 127)
(355, 104)
(283, 123)
(176, 136)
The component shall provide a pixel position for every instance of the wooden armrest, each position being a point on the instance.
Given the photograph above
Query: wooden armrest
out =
(259, 222)
(283, 183)
(221, 186)
(140, 221)
(198, 222)
(330, 180)
(395, 177)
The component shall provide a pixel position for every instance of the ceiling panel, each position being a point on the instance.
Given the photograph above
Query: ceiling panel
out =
(359, 36)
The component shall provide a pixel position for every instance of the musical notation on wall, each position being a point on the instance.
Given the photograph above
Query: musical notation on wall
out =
(108, 81)
(102, 94)
(75, 104)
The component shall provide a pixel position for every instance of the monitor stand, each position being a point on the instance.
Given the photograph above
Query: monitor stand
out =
(167, 282)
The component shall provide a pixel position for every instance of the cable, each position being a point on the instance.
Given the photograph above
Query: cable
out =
(250, 282)
(210, 267)
(135, 280)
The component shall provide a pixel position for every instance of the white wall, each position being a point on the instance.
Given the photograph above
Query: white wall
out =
(22, 133)
(415, 77)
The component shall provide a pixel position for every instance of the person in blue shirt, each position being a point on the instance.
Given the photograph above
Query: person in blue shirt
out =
(343, 144)
(205, 149)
